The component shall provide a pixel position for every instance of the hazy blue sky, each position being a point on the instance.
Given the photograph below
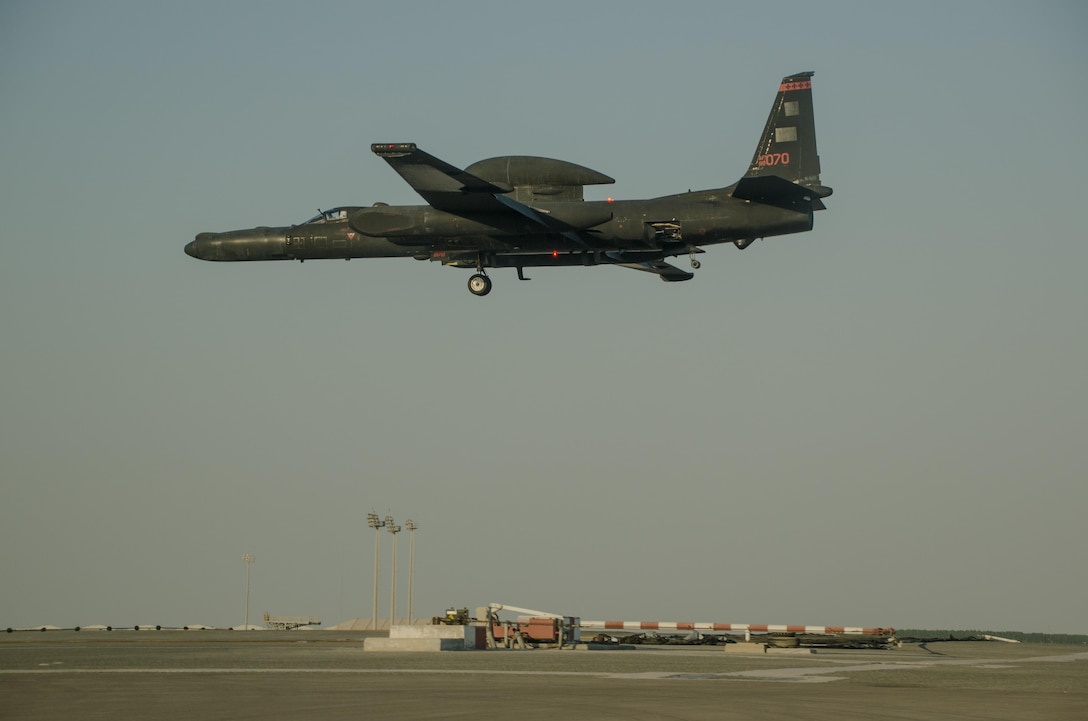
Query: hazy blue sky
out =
(883, 421)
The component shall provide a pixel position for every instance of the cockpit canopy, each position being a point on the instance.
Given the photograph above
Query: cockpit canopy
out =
(332, 215)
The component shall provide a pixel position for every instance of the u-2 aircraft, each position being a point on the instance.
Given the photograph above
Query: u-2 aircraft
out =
(522, 212)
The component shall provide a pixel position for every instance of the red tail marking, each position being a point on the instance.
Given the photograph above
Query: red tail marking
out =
(803, 85)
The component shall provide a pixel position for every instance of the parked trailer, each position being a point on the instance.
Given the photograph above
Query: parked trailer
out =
(786, 635)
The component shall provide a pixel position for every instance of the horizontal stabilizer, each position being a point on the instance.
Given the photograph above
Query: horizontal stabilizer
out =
(775, 190)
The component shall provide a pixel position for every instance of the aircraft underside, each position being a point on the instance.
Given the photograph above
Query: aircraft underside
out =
(648, 260)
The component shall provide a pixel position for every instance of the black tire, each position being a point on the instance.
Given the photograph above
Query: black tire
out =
(479, 284)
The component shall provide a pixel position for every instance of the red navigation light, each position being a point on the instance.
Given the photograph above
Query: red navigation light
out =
(555, 253)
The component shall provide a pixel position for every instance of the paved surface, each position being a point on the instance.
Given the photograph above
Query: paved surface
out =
(326, 675)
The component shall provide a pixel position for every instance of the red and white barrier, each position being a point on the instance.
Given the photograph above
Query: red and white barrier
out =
(675, 626)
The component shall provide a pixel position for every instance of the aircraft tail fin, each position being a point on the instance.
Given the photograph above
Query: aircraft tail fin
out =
(787, 149)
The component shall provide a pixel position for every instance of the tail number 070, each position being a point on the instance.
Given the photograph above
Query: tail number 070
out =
(773, 159)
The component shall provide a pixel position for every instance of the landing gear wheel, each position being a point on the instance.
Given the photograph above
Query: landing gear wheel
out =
(479, 284)
(695, 265)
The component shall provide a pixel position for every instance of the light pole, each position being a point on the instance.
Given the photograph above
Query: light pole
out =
(411, 526)
(394, 529)
(249, 559)
(376, 523)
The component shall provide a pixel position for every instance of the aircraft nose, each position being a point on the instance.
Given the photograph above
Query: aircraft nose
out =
(202, 247)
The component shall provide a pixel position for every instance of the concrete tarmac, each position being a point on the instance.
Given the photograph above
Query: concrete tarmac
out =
(326, 675)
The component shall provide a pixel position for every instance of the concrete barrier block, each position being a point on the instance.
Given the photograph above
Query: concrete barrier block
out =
(429, 632)
(746, 648)
(413, 644)
(429, 638)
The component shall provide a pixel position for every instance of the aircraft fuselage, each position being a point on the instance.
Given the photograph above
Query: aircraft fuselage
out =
(672, 222)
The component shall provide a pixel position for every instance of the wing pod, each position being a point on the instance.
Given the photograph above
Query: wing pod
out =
(576, 217)
(538, 179)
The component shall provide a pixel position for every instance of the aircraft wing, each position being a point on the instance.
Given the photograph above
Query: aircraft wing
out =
(552, 224)
(442, 185)
(449, 188)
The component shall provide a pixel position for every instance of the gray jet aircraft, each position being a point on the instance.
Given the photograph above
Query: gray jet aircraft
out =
(521, 211)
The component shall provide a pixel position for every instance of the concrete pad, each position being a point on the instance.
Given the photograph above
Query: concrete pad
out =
(322, 676)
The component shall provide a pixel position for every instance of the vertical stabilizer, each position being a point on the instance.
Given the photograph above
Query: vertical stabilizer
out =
(788, 146)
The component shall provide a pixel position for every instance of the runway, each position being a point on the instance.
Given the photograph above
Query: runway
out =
(327, 675)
